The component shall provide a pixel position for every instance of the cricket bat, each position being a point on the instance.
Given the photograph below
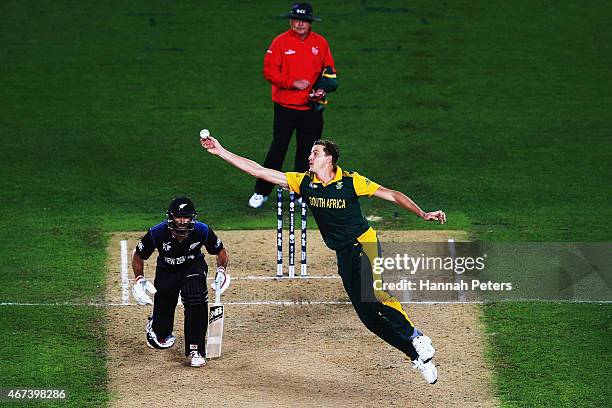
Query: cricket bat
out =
(215, 328)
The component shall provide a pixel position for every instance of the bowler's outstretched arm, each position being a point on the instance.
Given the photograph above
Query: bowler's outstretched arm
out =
(248, 166)
(404, 201)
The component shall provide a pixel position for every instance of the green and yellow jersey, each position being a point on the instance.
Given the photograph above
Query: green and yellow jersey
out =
(335, 205)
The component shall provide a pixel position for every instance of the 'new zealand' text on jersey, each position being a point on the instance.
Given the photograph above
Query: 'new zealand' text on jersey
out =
(335, 205)
(175, 253)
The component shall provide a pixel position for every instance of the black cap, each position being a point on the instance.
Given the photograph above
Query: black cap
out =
(182, 207)
(301, 11)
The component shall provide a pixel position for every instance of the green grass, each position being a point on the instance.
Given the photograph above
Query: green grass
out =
(496, 112)
(553, 355)
(59, 348)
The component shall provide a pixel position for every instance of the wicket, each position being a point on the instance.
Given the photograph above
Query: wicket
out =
(279, 235)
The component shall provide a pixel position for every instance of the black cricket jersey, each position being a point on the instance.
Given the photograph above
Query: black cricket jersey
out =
(171, 252)
(335, 205)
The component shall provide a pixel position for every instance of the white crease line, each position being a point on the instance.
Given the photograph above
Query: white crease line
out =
(254, 303)
(316, 302)
(458, 280)
(289, 303)
(125, 284)
(252, 277)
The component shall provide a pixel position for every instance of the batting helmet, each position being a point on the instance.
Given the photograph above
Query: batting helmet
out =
(181, 208)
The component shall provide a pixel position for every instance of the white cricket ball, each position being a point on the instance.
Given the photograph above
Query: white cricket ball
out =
(204, 134)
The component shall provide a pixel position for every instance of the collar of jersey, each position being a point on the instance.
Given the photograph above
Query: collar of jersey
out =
(337, 177)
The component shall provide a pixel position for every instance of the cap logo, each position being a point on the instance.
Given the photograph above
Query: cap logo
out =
(182, 206)
(301, 11)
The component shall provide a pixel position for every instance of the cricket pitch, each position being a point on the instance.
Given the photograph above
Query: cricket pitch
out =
(297, 354)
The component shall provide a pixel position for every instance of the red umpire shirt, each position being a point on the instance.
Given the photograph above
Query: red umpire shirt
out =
(288, 59)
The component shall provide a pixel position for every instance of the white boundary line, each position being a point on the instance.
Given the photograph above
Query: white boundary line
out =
(458, 280)
(314, 302)
(125, 293)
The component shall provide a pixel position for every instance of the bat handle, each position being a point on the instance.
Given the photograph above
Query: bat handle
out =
(217, 297)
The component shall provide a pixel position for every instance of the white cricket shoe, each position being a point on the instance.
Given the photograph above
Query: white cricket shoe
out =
(257, 200)
(428, 370)
(154, 342)
(422, 345)
(196, 359)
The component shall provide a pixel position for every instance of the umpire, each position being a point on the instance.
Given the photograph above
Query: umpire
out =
(300, 67)
(181, 268)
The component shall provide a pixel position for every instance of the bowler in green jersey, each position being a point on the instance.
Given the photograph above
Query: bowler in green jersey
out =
(332, 195)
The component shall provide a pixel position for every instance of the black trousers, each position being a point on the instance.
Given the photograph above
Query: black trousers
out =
(169, 282)
(308, 127)
(380, 313)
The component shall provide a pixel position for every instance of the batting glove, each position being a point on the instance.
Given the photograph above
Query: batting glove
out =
(140, 288)
(222, 280)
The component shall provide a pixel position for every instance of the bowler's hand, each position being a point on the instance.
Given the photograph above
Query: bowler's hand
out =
(212, 145)
(301, 84)
(435, 216)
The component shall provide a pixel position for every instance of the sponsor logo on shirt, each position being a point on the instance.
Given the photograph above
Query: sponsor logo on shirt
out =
(335, 203)
(179, 260)
(289, 52)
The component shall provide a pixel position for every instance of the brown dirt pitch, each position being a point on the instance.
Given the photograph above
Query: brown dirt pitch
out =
(293, 355)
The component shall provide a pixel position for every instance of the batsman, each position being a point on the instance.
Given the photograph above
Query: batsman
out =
(332, 195)
(181, 269)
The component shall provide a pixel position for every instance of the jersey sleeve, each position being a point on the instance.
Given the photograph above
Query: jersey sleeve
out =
(294, 180)
(273, 62)
(213, 244)
(146, 246)
(363, 185)
(328, 59)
